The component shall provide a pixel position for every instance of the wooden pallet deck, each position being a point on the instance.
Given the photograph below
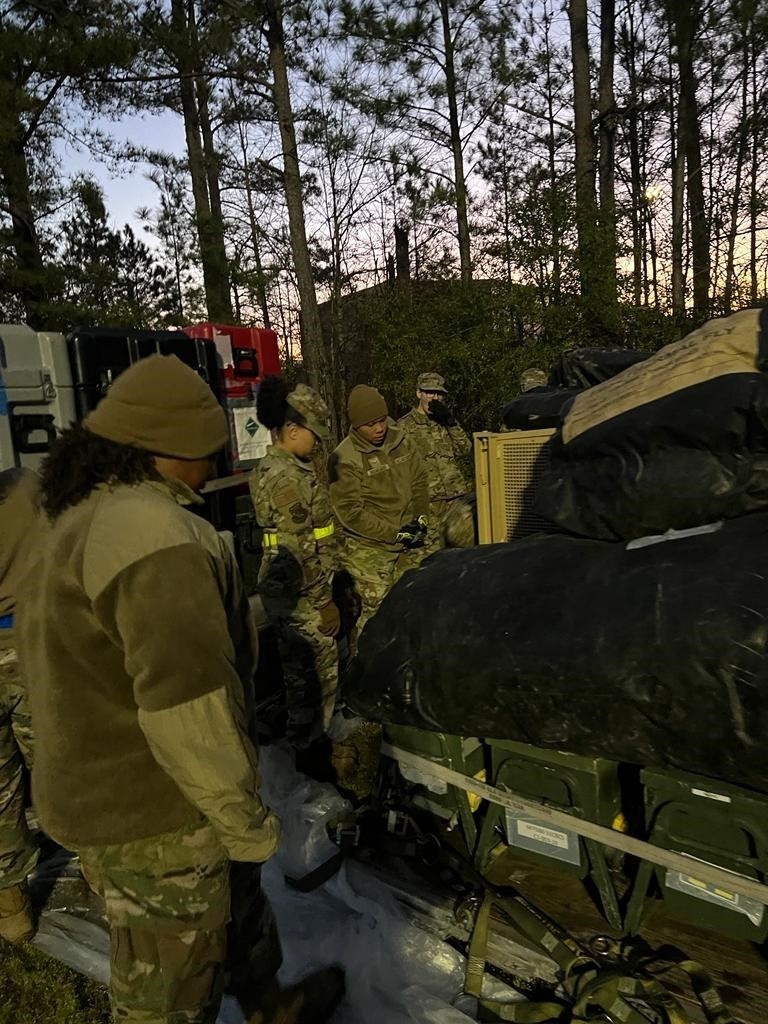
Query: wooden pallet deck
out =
(739, 969)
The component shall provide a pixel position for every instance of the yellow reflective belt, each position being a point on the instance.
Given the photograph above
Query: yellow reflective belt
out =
(271, 538)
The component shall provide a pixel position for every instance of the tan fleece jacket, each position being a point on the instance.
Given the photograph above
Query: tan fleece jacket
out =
(135, 641)
(375, 491)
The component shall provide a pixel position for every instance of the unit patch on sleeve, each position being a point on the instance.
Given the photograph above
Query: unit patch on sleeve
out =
(297, 512)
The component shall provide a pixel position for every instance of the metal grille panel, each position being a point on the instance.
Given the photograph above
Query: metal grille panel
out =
(524, 458)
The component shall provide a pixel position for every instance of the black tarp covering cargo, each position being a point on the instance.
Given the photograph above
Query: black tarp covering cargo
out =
(654, 655)
(674, 441)
(538, 409)
(585, 367)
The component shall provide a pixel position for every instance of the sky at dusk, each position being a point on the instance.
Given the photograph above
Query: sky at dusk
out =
(127, 188)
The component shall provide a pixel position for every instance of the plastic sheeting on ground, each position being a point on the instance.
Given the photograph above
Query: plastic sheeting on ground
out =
(652, 653)
(397, 972)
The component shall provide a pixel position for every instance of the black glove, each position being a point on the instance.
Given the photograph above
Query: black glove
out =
(412, 535)
(440, 413)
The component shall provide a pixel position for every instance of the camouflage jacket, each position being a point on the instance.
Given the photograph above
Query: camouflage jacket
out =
(442, 448)
(300, 552)
(134, 637)
(377, 490)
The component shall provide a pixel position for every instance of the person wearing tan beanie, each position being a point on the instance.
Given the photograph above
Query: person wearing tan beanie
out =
(135, 638)
(366, 405)
(162, 406)
(380, 497)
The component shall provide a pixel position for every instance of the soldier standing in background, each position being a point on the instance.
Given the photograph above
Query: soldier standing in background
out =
(380, 497)
(531, 379)
(21, 533)
(136, 644)
(300, 555)
(443, 444)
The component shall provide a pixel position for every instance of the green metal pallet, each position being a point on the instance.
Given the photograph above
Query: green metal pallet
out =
(587, 787)
(712, 822)
(462, 754)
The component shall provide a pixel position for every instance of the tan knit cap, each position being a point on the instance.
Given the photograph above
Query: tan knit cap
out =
(365, 404)
(164, 407)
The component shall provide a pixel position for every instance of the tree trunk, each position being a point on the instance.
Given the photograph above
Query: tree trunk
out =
(685, 19)
(211, 158)
(212, 257)
(29, 278)
(607, 114)
(507, 172)
(753, 198)
(638, 200)
(312, 347)
(592, 264)
(554, 202)
(460, 184)
(678, 208)
(741, 155)
(402, 256)
(261, 284)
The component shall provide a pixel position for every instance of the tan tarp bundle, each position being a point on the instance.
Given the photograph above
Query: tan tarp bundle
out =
(724, 346)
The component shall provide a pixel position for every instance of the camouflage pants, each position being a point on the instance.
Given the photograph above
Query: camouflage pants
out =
(451, 524)
(184, 925)
(310, 663)
(18, 851)
(375, 571)
(438, 512)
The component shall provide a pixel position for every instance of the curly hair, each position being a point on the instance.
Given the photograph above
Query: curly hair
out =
(272, 406)
(79, 461)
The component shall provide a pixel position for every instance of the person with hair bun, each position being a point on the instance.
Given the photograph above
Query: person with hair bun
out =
(299, 555)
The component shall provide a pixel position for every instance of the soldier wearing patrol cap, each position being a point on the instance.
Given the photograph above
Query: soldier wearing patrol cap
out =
(443, 444)
(531, 379)
(300, 554)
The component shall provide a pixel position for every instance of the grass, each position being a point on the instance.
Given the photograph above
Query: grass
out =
(35, 989)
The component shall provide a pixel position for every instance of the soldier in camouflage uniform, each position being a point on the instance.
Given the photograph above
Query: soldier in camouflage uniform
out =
(378, 485)
(136, 643)
(21, 529)
(531, 379)
(299, 555)
(444, 445)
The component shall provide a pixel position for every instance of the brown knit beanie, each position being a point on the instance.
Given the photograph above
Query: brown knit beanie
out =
(365, 404)
(164, 407)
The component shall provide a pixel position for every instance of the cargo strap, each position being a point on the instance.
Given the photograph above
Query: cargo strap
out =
(727, 880)
(615, 991)
(272, 537)
(344, 831)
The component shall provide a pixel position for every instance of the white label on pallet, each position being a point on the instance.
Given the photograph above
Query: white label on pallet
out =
(721, 797)
(692, 886)
(537, 836)
(542, 834)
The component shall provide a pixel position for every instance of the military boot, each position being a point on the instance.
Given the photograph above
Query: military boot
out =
(311, 1001)
(16, 922)
(356, 762)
